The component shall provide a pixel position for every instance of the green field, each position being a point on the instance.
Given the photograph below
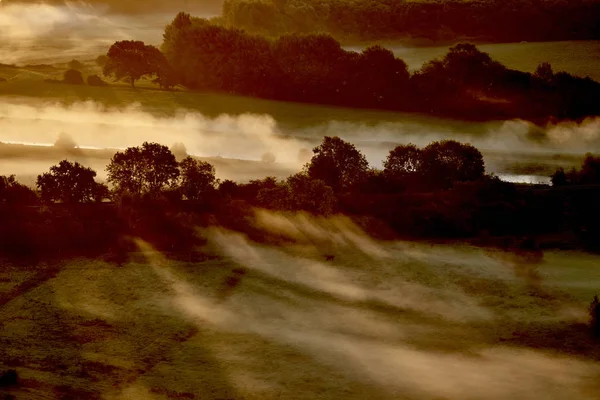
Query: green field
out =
(384, 320)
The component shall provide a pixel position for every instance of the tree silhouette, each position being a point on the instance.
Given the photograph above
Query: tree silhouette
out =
(449, 161)
(12, 192)
(70, 182)
(337, 163)
(73, 77)
(197, 178)
(132, 60)
(402, 160)
(144, 170)
(312, 195)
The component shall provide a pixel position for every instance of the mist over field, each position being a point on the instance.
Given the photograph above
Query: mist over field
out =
(46, 33)
(424, 279)
(384, 320)
(250, 136)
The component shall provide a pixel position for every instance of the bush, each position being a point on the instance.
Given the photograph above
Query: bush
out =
(95, 80)
(9, 378)
(73, 77)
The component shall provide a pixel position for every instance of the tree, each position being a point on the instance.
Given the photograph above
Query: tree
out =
(449, 161)
(268, 158)
(12, 192)
(559, 178)
(381, 77)
(179, 150)
(65, 142)
(69, 182)
(75, 64)
(544, 72)
(337, 163)
(590, 170)
(132, 60)
(403, 160)
(312, 195)
(197, 178)
(143, 171)
(73, 77)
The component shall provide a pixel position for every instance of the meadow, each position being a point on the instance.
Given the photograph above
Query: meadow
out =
(383, 319)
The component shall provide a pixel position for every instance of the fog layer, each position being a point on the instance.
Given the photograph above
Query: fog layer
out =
(250, 136)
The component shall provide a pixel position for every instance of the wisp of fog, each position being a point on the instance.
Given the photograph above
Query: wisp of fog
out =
(43, 33)
(249, 136)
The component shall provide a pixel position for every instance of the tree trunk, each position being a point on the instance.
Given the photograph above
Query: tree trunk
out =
(132, 82)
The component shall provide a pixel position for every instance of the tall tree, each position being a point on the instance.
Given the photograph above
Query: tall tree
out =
(449, 161)
(338, 163)
(131, 59)
(145, 170)
(197, 178)
(70, 182)
(402, 160)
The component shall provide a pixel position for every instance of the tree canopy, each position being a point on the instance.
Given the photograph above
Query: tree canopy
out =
(132, 60)
(12, 192)
(314, 68)
(337, 163)
(145, 170)
(70, 182)
(197, 178)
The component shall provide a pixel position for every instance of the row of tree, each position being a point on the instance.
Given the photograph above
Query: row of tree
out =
(490, 20)
(466, 83)
(588, 174)
(151, 170)
(438, 191)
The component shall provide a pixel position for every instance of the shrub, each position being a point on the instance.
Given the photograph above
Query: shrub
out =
(95, 80)
(73, 77)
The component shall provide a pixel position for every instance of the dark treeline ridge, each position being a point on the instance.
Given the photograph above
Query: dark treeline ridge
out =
(314, 68)
(437, 192)
(486, 20)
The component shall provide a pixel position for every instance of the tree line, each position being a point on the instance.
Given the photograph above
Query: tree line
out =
(439, 191)
(152, 171)
(485, 20)
(466, 83)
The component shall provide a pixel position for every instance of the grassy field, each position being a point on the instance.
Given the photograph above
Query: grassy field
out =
(383, 320)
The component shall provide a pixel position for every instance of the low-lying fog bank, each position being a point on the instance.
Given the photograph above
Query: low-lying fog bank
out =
(515, 150)
(45, 33)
